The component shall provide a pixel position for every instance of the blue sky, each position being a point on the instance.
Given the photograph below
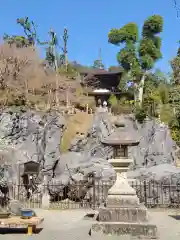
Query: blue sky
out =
(89, 22)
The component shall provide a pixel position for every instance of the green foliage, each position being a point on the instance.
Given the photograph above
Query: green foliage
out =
(115, 68)
(98, 64)
(167, 114)
(175, 65)
(113, 100)
(123, 106)
(128, 33)
(137, 57)
(140, 114)
(174, 125)
(147, 47)
(157, 42)
(127, 57)
(29, 28)
(50, 58)
(162, 98)
(175, 134)
(54, 59)
(163, 93)
(68, 71)
(147, 62)
(19, 41)
(123, 83)
(156, 94)
(30, 37)
(153, 25)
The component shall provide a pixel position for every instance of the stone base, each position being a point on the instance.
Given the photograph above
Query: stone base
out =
(115, 201)
(133, 229)
(130, 215)
(123, 214)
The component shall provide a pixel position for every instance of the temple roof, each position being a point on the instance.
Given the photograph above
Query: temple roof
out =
(122, 135)
(96, 71)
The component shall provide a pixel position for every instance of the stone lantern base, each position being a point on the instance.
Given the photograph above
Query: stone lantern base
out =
(123, 214)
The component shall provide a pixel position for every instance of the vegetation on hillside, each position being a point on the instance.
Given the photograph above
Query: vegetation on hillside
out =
(28, 80)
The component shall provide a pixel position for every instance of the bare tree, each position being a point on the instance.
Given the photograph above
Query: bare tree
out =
(24, 78)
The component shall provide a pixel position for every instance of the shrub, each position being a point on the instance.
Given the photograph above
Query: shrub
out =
(140, 114)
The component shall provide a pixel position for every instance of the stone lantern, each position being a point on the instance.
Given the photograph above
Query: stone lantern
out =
(123, 213)
(119, 140)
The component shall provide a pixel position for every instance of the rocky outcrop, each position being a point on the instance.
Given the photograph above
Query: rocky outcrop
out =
(156, 145)
(85, 162)
(28, 135)
(155, 156)
(31, 135)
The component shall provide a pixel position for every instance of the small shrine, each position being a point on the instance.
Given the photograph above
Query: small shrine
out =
(123, 214)
(28, 172)
(31, 168)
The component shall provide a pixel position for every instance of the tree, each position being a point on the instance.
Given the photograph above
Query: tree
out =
(52, 56)
(51, 53)
(30, 32)
(138, 57)
(115, 68)
(176, 7)
(175, 65)
(98, 64)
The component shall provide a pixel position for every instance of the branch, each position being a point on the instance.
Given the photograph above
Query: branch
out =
(176, 7)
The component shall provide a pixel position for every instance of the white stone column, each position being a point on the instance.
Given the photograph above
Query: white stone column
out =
(45, 197)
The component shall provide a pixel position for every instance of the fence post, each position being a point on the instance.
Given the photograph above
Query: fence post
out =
(94, 195)
(145, 193)
(18, 191)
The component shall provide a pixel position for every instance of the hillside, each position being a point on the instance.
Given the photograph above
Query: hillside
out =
(26, 80)
(77, 124)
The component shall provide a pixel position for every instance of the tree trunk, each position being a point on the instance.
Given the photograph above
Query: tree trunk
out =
(141, 89)
(138, 92)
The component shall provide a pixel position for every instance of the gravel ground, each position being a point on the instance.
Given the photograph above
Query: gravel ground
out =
(70, 225)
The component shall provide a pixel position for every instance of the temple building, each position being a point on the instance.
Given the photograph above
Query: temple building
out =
(102, 84)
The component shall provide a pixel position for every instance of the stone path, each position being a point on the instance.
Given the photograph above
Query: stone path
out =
(69, 225)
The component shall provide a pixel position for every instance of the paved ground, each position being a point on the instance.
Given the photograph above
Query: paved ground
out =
(69, 225)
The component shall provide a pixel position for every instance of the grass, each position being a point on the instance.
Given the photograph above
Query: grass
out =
(78, 123)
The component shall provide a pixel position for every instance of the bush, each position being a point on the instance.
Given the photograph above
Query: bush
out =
(140, 114)
(113, 101)
(122, 109)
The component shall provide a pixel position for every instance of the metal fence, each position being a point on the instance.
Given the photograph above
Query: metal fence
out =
(151, 194)
(154, 194)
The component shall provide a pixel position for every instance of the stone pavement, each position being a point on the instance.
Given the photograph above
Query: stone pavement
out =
(70, 225)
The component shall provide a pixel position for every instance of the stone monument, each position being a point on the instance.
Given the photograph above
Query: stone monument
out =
(123, 214)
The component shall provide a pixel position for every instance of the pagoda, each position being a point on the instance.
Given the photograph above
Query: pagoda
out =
(123, 213)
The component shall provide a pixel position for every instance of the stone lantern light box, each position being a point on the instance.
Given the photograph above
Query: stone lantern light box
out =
(120, 139)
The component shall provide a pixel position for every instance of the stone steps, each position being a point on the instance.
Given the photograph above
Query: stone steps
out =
(134, 229)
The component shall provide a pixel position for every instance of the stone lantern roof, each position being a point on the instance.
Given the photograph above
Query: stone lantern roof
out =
(122, 135)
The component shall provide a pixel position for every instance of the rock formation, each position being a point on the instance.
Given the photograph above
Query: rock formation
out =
(31, 135)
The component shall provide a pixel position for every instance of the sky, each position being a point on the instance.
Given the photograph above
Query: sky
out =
(89, 22)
